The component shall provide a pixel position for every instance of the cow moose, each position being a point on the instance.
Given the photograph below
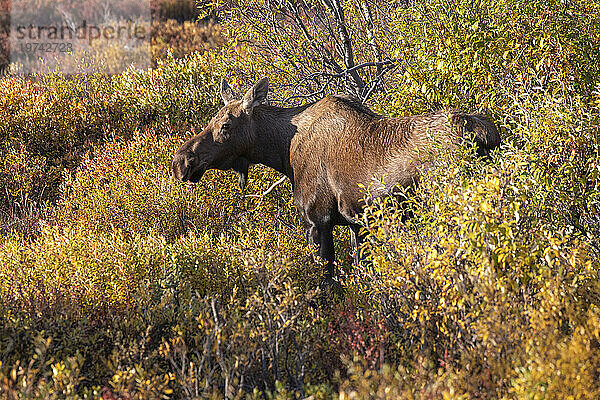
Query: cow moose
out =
(327, 149)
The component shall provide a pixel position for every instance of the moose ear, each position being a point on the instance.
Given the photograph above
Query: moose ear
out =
(226, 92)
(256, 95)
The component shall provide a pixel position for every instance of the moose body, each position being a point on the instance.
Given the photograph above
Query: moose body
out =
(327, 149)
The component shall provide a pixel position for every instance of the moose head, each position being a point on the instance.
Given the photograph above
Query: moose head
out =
(227, 139)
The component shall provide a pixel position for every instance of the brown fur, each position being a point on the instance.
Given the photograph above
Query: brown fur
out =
(327, 149)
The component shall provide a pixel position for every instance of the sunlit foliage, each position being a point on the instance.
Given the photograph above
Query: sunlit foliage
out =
(483, 284)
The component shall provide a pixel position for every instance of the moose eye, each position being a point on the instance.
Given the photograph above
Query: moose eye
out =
(223, 133)
(189, 160)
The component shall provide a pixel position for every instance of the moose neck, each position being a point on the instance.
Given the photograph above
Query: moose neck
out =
(275, 130)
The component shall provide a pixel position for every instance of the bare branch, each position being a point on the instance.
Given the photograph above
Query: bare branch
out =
(336, 9)
(374, 46)
(312, 95)
(321, 46)
(360, 66)
(269, 190)
(266, 192)
(374, 84)
(328, 57)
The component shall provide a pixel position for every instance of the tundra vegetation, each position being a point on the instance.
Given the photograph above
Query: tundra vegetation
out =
(117, 281)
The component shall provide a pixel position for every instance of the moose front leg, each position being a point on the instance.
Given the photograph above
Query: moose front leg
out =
(326, 249)
(322, 237)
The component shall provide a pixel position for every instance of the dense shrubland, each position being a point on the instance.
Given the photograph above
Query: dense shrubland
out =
(46, 126)
(122, 283)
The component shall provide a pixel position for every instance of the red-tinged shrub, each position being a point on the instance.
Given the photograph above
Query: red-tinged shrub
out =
(358, 333)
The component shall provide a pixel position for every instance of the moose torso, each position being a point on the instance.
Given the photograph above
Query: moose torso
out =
(337, 145)
(328, 149)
